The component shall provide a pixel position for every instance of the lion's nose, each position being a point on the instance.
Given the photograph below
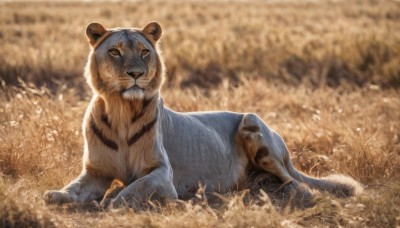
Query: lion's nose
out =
(135, 74)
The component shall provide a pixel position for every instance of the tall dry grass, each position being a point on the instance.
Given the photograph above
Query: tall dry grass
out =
(320, 43)
(324, 74)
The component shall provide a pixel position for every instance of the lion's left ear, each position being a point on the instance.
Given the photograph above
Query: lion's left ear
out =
(94, 32)
(152, 31)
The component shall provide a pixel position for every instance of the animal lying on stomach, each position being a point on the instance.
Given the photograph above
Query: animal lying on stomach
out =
(159, 153)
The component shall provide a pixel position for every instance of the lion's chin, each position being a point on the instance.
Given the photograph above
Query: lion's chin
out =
(135, 92)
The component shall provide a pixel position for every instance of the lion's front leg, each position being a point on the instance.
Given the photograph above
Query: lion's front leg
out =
(155, 186)
(86, 187)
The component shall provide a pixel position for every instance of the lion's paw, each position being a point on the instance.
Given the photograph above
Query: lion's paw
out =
(58, 197)
(117, 202)
(121, 202)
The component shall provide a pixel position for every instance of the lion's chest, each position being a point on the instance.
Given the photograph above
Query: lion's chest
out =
(134, 158)
(133, 162)
(130, 159)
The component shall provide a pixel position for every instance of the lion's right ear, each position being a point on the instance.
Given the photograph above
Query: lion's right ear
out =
(94, 32)
(152, 31)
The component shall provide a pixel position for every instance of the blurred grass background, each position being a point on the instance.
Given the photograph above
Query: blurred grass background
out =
(318, 43)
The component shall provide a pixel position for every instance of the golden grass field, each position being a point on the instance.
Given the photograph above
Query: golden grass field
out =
(324, 74)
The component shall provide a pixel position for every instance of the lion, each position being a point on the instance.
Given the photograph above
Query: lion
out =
(160, 154)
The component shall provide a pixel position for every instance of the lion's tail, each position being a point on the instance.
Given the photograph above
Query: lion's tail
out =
(339, 185)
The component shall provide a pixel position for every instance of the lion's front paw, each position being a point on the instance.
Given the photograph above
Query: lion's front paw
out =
(117, 202)
(58, 197)
(121, 202)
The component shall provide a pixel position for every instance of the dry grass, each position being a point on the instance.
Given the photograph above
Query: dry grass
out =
(324, 74)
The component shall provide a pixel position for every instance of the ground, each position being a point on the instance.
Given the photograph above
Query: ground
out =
(324, 74)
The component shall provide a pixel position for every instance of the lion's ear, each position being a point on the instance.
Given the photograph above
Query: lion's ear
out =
(152, 31)
(94, 31)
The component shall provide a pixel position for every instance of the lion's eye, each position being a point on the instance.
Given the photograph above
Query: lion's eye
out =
(145, 52)
(114, 52)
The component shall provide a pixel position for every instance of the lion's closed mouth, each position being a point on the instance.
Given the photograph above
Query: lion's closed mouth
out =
(135, 87)
(132, 88)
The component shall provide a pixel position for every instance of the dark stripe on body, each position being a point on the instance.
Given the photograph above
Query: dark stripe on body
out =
(135, 118)
(252, 128)
(106, 121)
(261, 152)
(145, 104)
(106, 141)
(146, 128)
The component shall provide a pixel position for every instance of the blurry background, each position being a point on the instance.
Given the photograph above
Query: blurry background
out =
(351, 43)
(325, 74)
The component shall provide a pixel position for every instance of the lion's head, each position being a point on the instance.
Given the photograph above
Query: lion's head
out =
(124, 61)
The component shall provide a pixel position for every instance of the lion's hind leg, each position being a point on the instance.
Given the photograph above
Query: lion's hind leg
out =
(266, 151)
(262, 149)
